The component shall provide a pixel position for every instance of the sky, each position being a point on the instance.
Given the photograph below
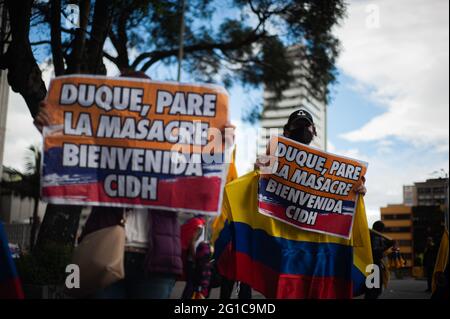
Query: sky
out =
(390, 107)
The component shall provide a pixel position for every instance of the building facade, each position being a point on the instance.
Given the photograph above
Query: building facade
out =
(423, 214)
(399, 227)
(4, 87)
(428, 221)
(298, 95)
(409, 195)
(432, 192)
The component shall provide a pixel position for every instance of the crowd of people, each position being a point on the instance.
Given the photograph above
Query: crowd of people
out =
(159, 252)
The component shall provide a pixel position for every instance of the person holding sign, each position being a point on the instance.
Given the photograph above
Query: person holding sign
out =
(264, 241)
(152, 259)
(300, 127)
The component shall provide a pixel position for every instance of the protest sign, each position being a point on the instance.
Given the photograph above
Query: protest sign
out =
(131, 142)
(310, 189)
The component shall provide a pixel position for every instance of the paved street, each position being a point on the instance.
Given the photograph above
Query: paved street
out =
(215, 293)
(407, 288)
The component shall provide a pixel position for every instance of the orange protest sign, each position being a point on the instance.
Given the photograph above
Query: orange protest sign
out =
(310, 189)
(135, 143)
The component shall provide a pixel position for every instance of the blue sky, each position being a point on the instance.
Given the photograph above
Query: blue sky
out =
(348, 109)
(390, 107)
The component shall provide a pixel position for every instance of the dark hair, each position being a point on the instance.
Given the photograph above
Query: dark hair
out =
(378, 226)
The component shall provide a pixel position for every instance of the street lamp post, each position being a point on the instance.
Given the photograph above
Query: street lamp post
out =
(446, 200)
(181, 38)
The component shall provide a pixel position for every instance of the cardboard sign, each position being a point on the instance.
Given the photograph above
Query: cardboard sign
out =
(135, 143)
(310, 189)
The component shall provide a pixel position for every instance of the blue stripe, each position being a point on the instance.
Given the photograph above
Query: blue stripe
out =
(347, 206)
(224, 238)
(288, 256)
(53, 165)
(359, 281)
(7, 266)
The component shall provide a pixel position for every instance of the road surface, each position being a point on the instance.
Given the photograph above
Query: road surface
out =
(407, 288)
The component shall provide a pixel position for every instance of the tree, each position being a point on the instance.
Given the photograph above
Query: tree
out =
(33, 177)
(27, 184)
(249, 49)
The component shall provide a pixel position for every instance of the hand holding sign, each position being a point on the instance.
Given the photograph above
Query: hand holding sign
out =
(135, 143)
(361, 188)
(42, 118)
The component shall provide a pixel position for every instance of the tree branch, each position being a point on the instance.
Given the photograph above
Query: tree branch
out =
(41, 42)
(226, 46)
(122, 39)
(71, 31)
(110, 58)
(55, 24)
(100, 29)
(24, 75)
(79, 43)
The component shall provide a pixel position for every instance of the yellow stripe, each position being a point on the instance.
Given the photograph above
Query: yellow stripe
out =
(362, 250)
(219, 221)
(442, 259)
(240, 205)
(243, 201)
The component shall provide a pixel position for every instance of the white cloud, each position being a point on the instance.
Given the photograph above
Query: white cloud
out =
(246, 146)
(404, 65)
(20, 132)
(388, 171)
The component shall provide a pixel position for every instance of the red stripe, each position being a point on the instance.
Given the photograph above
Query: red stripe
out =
(240, 267)
(11, 289)
(333, 223)
(196, 193)
(306, 287)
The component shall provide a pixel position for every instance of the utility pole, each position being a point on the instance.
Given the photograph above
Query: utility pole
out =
(4, 87)
(446, 199)
(181, 38)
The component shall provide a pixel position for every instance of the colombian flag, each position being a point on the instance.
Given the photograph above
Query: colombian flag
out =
(442, 259)
(281, 261)
(10, 287)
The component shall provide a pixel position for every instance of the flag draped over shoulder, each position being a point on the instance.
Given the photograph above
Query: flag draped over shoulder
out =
(442, 259)
(281, 261)
(10, 287)
(232, 170)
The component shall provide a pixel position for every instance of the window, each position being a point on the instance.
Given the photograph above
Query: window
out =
(424, 190)
(397, 230)
(397, 217)
(438, 190)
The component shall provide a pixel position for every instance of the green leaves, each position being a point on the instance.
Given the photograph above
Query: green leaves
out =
(45, 266)
(228, 42)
